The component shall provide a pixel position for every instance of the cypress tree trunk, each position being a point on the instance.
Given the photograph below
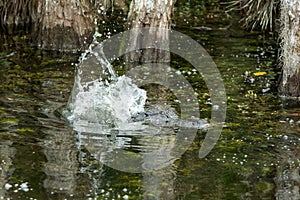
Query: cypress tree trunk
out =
(55, 25)
(64, 24)
(290, 56)
(150, 13)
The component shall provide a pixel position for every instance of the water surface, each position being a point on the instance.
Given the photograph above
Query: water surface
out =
(256, 157)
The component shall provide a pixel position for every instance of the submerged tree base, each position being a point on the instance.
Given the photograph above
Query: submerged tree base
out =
(290, 102)
(292, 86)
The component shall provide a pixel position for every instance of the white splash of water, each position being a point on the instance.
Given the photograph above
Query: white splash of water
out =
(99, 96)
(108, 103)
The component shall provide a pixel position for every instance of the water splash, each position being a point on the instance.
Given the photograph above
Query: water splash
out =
(99, 96)
(107, 111)
(108, 104)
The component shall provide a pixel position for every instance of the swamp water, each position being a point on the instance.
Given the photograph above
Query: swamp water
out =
(42, 157)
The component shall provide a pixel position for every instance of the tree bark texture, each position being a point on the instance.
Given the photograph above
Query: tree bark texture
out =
(64, 24)
(17, 13)
(290, 56)
(148, 14)
(55, 25)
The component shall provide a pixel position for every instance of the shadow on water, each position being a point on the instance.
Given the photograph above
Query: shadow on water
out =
(256, 157)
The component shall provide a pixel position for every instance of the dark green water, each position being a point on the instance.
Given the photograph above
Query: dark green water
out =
(256, 157)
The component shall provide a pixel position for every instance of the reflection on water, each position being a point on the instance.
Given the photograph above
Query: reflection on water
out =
(287, 179)
(154, 152)
(160, 184)
(7, 153)
(62, 165)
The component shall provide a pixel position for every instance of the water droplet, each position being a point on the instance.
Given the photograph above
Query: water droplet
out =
(7, 186)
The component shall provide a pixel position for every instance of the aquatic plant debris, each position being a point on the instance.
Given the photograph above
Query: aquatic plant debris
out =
(259, 73)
